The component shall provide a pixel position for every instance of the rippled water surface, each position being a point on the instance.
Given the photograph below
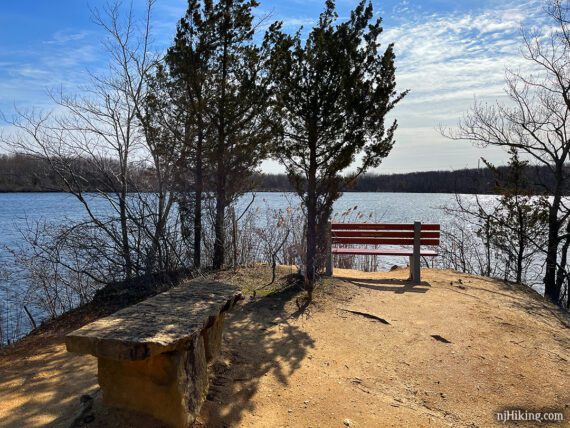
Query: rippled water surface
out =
(17, 210)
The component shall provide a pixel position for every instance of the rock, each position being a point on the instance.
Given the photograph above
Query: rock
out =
(153, 356)
(85, 415)
(213, 338)
(159, 385)
(88, 419)
(440, 338)
(163, 323)
(85, 398)
(347, 422)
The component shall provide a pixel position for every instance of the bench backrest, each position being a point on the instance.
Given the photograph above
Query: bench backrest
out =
(384, 234)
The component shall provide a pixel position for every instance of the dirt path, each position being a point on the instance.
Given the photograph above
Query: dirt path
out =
(41, 381)
(328, 365)
(331, 365)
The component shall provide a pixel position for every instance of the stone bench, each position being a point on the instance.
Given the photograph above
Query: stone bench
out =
(153, 356)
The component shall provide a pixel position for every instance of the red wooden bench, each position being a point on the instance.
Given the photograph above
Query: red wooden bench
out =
(413, 236)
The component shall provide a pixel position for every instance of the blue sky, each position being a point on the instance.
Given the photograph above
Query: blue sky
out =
(449, 52)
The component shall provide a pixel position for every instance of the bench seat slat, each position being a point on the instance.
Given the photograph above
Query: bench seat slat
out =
(384, 241)
(381, 234)
(381, 226)
(383, 252)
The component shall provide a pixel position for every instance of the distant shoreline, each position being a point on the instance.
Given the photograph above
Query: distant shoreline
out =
(7, 192)
(21, 174)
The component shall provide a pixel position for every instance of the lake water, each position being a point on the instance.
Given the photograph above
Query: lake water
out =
(17, 210)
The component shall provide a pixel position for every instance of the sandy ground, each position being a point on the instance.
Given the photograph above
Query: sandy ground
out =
(330, 364)
(41, 381)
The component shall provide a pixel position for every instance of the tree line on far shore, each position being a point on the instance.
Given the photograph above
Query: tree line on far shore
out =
(476, 181)
(24, 173)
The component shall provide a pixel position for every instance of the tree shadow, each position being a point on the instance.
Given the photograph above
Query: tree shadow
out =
(398, 286)
(32, 384)
(259, 340)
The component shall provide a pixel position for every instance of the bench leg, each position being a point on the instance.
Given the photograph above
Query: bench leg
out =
(329, 264)
(415, 276)
(171, 387)
(329, 260)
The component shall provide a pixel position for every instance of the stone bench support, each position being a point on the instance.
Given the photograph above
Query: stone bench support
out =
(153, 357)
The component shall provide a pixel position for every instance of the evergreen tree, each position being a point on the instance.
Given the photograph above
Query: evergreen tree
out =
(332, 94)
(189, 62)
(215, 70)
(238, 114)
(518, 222)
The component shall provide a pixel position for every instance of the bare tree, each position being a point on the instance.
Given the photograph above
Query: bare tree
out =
(102, 130)
(535, 121)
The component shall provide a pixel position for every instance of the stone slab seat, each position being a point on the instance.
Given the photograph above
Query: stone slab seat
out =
(153, 356)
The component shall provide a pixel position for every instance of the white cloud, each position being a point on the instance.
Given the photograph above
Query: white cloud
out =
(295, 23)
(447, 60)
(27, 75)
(66, 36)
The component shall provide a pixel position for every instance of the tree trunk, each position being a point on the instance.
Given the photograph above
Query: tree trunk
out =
(234, 239)
(310, 266)
(522, 244)
(487, 248)
(550, 287)
(198, 200)
(219, 227)
(125, 245)
(561, 273)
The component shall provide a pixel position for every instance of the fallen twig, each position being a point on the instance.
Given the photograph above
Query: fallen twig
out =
(440, 338)
(366, 315)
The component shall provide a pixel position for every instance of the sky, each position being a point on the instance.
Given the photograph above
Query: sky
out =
(449, 53)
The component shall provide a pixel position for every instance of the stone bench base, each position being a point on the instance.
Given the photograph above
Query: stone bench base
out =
(171, 386)
(153, 357)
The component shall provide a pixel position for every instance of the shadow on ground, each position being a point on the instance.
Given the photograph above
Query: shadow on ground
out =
(37, 397)
(259, 339)
(398, 286)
